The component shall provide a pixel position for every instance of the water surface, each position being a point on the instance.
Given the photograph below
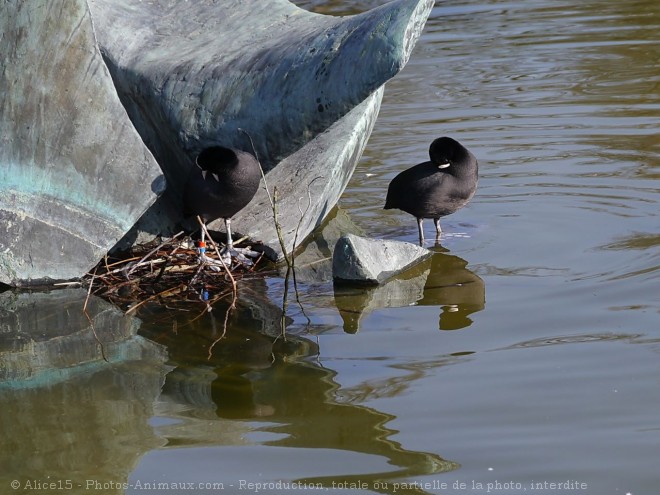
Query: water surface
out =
(525, 353)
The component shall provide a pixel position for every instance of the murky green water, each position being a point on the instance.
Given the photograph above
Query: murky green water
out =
(526, 352)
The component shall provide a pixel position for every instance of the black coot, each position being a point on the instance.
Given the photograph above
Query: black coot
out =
(436, 188)
(222, 184)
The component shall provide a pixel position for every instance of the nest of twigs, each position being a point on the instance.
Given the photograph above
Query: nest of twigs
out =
(169, 273)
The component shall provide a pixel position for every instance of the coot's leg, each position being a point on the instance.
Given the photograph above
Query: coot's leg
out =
(420, 227)
(202, 246)
(240, 254)
(230, 242)
(438, 230)
(229, 251)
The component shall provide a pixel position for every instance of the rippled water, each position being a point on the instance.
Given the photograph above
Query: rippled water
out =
(525, 353)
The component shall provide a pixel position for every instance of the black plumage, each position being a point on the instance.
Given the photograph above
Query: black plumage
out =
(436, 188)
(221, 184)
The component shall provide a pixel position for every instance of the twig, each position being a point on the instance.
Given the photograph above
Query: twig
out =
(232, 305)
(263, 176)
(278, 229)
(295, 241)
(89, 289)
(96, 337)
(273, 201)
(136, 265)
(211, 303)
(222, 336)
(288, 257)
(176, 265)
(173, 290)
(285, 302)
(160, 273)
(224, 265)
(154, 250)
(194, 277)
(302, 216)
(120, 262)
(89, 319)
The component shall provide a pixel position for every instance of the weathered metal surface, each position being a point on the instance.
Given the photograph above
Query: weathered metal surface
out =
(306, 87)
(79, 131)
(74, 173)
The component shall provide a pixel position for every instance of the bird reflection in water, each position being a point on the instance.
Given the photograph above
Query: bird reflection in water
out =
(444, 281)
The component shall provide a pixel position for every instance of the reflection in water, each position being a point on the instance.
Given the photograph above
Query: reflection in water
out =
(639, 240)
(456, 289)
(66, 412)
(60, 394)
(277, 383)
(560, 99)
(572, 339)
(355, 302)
(339, 7)
(304, 400)
(47, 337)
(90, 427)
(639, 245)
(622, 35)
(443, 281)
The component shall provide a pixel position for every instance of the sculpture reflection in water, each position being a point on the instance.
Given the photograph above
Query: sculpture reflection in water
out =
(276, 382)
(65, 411)
(185, 380)
(443, 281)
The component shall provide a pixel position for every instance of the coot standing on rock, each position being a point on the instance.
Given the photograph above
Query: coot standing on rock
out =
(221, 184)
(436, 188)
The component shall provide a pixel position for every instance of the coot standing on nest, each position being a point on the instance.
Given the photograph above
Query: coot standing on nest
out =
(221, 184)
(436, 188)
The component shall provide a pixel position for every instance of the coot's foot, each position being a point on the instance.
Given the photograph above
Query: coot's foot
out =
(242, 255)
